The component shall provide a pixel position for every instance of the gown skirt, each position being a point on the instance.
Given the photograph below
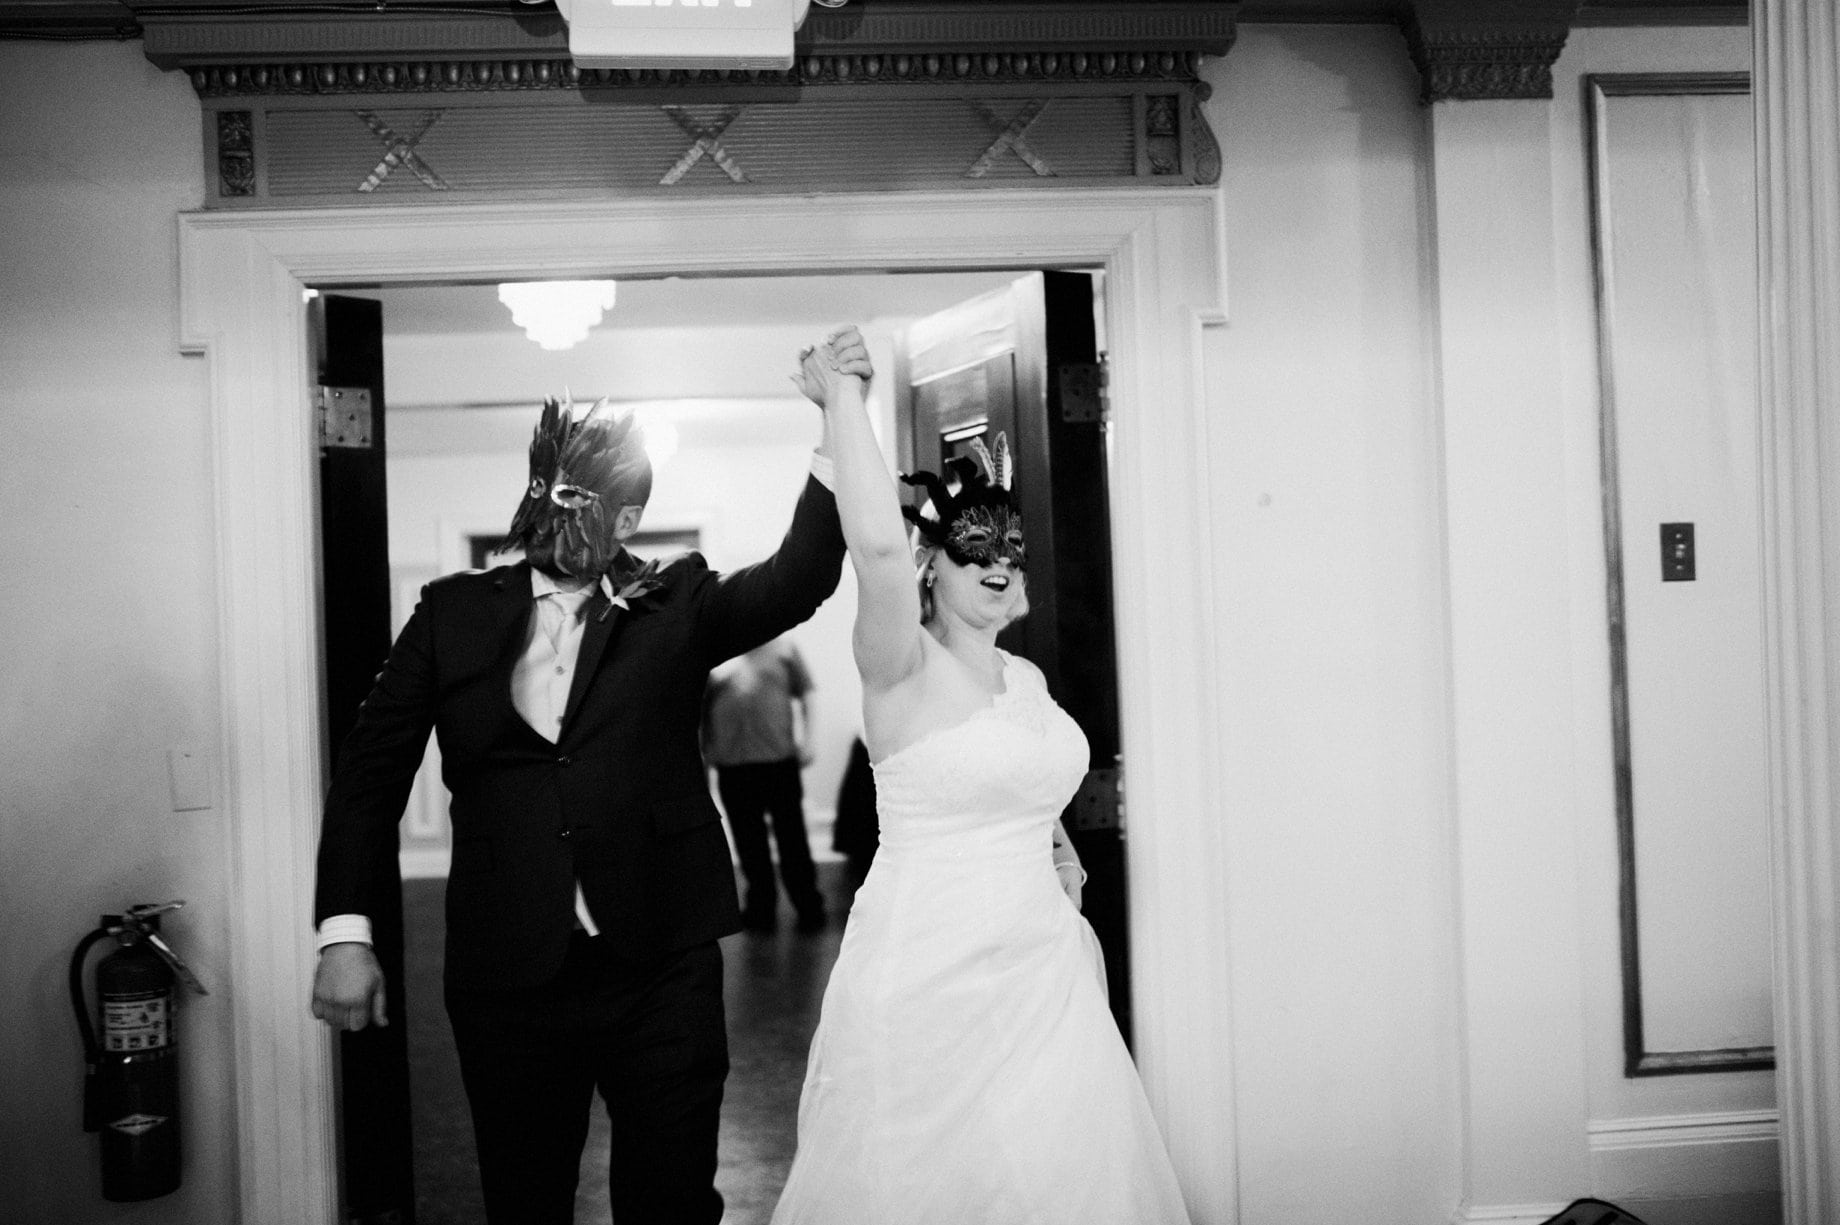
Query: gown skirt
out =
(966, 1067)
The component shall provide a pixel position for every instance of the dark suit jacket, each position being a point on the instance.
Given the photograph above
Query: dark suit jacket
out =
(621, 801)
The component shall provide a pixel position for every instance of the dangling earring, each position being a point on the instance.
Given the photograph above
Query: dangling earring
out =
(929, 580)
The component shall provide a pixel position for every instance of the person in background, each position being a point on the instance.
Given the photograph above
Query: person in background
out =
(757, 737)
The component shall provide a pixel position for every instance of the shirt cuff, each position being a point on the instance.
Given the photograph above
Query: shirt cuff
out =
(823, 470)
(344, 929)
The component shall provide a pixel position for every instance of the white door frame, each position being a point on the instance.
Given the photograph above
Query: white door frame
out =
(241, 281)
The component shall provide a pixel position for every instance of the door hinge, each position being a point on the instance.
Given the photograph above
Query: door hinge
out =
(1082, 388)
(1099, 804)
(344, 416)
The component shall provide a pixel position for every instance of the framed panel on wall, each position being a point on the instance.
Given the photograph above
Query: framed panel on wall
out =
(1674, 246)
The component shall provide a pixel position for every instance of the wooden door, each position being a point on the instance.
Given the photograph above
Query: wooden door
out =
(1025, 361)
(347, 338)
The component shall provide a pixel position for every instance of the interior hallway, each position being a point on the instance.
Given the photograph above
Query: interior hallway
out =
(774, 983)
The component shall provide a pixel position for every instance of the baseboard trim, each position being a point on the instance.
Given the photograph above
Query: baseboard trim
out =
(1609, 1135)
(1688, 1156)
(1723, 1153)
(1507, 1214)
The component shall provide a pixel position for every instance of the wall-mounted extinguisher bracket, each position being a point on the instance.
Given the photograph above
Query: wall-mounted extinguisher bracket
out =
(131, 1087)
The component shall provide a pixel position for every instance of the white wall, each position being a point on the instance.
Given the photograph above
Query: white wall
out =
(108, 624)
(1331, 618)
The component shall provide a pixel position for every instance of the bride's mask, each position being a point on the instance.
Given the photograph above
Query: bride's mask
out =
(583, 472)
(976, 520)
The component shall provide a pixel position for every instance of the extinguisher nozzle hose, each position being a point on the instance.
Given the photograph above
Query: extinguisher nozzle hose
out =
(92, 1050)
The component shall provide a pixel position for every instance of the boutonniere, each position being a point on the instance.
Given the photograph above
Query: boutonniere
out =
(633, 588)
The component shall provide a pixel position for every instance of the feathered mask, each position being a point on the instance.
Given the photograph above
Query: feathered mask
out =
(582, 472)
(976, 520)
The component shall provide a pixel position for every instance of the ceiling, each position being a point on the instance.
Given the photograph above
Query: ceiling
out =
(700, 303)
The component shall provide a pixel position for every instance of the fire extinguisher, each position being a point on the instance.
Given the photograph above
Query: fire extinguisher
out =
(131, 1089)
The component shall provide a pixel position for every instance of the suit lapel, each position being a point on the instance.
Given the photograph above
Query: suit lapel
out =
(603, 618)
(513, 606)
(594, 635)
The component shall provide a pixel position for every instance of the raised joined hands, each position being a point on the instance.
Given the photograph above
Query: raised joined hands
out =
(824, 367)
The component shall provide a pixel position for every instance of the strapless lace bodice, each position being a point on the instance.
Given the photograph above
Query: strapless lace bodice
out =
(990, 786)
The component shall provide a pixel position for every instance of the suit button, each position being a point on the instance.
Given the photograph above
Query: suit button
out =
(564, 834)
(562, 761)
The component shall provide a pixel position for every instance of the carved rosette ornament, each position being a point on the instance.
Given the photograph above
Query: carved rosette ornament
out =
(236, 157)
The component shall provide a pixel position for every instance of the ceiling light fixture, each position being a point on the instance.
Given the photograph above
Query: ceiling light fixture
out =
(557, 314)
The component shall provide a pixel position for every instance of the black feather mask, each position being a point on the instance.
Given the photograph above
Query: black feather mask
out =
(976, 519)
(582, 472)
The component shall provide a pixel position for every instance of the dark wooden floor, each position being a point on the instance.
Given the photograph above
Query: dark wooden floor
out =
(774, 983)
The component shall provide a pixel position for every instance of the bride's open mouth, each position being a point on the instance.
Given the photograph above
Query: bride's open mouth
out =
(996, 582)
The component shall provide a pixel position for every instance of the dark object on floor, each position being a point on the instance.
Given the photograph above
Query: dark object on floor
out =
(1593, 1212)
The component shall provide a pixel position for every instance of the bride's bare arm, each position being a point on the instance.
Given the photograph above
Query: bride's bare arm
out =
(887, 633)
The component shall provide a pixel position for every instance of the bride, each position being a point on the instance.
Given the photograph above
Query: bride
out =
(965, 1067)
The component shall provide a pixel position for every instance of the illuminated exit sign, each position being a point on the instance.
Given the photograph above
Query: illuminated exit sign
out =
(744, 34)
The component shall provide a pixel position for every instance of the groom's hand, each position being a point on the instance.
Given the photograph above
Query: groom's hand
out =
(348, 987)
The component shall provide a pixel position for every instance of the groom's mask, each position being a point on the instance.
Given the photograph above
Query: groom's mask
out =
(582, 473)
(976, 520)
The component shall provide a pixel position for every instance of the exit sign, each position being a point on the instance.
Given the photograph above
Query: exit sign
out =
(736, 34)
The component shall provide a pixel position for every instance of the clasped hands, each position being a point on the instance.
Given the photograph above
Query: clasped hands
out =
(823, 368)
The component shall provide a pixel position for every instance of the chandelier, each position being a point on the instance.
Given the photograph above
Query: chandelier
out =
(557, 314)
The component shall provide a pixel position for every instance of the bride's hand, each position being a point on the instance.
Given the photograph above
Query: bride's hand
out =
(822, 368)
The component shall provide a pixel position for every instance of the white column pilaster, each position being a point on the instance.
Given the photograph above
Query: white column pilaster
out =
(1502, 391)
(1796, 66)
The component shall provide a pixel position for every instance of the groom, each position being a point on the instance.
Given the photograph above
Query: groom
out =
(590, 877)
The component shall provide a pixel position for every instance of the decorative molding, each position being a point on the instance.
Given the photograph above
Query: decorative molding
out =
(336, 148)
(1057, 93)
(236, 153)
(1467, 51)
(1638, 1060)
(499, 75)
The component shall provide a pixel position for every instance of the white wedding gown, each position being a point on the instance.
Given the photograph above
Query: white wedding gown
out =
(966, 1068)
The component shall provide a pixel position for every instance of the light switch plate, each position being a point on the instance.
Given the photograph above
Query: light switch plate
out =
(189, 773)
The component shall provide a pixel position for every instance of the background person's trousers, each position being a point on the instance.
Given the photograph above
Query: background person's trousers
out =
(751, 794)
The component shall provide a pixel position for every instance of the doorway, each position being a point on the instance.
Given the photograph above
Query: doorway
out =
(460, 386)
(242, 277)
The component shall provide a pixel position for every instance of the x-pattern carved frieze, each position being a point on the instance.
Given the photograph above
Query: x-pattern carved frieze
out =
(1010, 139)
(706, 141)
(400, 151)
